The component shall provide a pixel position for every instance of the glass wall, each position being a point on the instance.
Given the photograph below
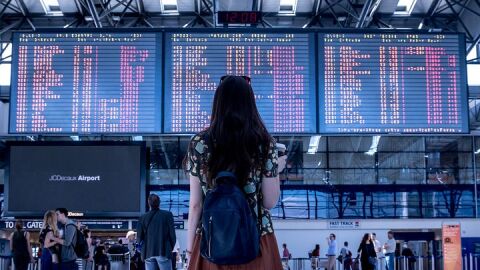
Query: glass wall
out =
(339, 177)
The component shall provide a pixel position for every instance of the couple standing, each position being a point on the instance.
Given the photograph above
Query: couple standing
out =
(58, 241)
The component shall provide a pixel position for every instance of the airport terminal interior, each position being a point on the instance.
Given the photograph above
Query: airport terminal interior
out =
(375, 103)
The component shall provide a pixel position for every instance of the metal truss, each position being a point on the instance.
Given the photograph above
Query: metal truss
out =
(325, 13)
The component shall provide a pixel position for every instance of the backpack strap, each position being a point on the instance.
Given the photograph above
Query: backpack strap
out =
(226, 174)
(229, 178)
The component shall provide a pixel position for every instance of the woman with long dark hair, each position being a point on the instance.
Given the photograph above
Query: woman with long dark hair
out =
(368, 256)
(236, 141)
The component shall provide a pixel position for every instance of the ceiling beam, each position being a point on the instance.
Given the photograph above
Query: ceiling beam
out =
(431, 10)
(363, 14)
(93, 12)
(457, 15)
(23, 8)
(140, 7)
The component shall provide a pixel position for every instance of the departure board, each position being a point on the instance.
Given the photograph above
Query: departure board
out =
(392, 83)
(80, 83)
(281, 66)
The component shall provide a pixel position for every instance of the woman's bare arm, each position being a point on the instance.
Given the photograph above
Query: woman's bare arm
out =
(194, 210)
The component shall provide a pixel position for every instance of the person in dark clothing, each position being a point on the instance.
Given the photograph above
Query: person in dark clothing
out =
(316, 251)
(314, 255)
(410, 257)
(101, 259)
(118, 248)
(368, 256)
(68, 233)
(20, 246)
(157, 232)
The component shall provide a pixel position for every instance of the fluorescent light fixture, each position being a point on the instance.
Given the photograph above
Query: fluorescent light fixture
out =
(373, 146)
(288, 7)
(137, 138)
(405, 7)
(313, 145)
(75, 138)
(473, 71)
(51, 7)
(169, 6)
(477, 151)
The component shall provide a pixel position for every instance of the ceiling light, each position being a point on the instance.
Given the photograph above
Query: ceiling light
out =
(405, 7)
(288, 7)
(169, 6)
(51, 7)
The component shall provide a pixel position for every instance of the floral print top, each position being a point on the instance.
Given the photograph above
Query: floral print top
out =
(197, 165)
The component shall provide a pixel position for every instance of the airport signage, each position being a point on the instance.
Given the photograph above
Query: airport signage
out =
(27, 225)
(343, 224)
(35, 225)
(105, 224)
(452, 247)
(177, 224)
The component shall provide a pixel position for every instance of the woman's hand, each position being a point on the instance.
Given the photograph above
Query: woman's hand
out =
(282, 162)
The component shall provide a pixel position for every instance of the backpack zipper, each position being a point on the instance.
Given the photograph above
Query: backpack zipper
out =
(210, 236)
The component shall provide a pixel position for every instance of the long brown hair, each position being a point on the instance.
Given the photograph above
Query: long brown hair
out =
(238, 138)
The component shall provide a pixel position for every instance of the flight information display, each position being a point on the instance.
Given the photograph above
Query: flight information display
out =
(281, 66)
(392, 83)
(92, 82)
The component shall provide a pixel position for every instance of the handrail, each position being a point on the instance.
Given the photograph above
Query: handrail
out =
(430, 262)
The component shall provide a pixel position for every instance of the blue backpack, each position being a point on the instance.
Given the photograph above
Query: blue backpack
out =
(229, 227)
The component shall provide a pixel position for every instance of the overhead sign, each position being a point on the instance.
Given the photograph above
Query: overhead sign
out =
(452, 247)
(105, 224)
(177, 224)
(35, 225)
(344, 224)
(27, 225)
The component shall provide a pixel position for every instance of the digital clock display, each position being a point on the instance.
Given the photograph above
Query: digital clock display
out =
(242, 17)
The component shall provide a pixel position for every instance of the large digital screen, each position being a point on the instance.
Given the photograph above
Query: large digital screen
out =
(281, 66)
(392, 83)
(79, 82)
(89, 179)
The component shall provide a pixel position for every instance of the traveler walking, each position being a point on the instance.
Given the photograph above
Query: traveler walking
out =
(20, 246)
(157, 232)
